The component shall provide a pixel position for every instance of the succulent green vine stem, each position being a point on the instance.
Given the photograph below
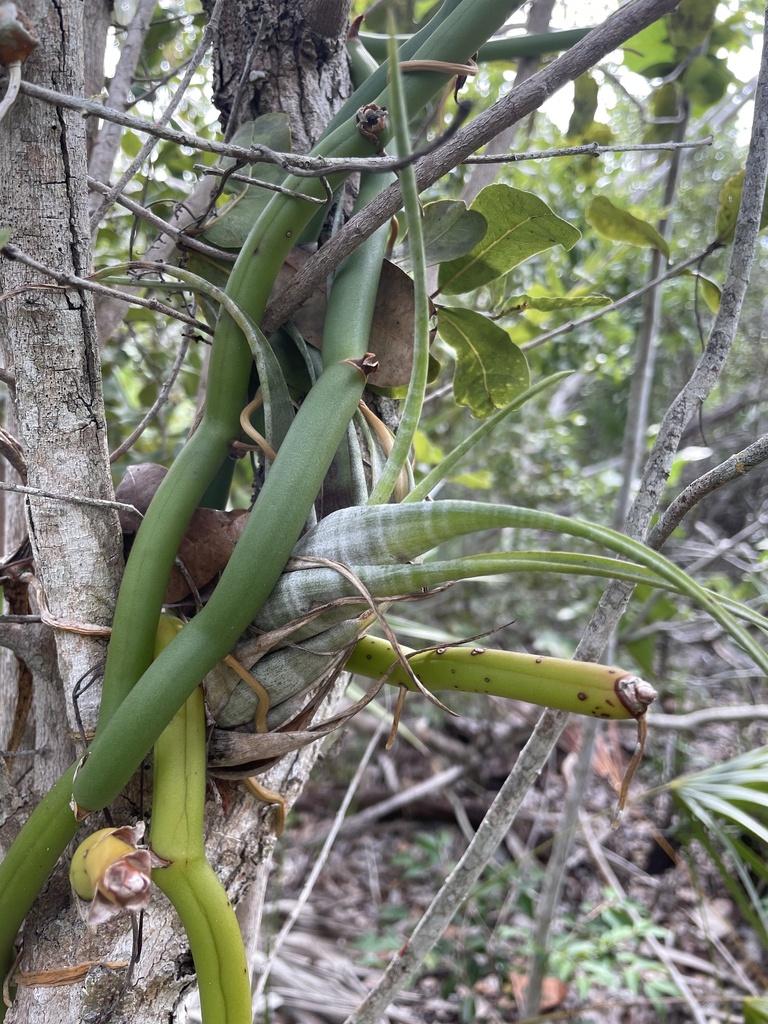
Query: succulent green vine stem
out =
(189, 881)
(279, 226)
(511, 48)
(279, 515)
(585, 688)
(30, 860)
(411, 409)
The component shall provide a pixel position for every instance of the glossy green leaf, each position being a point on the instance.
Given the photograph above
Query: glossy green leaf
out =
(519, 226)
(728, 209)
(5, 237)
(621, 226)
(549, 303)
(450, 230)
(490, 369)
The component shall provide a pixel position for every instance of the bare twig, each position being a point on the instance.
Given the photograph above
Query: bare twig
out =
(12, 91)
(319, 862)
(646, 348)
(660, 951)
(66, 280)
(734, 468)
(74, 499)
(293, 163)
(363, 819)
(181, 239)
(271, 186)
(158, 403)
(176, 98)
(588, 149)
(696, 720)
(552, 887)
(107, 141)
(584, 321)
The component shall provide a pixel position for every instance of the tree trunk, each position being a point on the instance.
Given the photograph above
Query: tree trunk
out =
(50, 342)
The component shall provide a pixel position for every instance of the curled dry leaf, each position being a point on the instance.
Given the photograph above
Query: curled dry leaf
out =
(207, 544)
(237, 755)
(391, 337)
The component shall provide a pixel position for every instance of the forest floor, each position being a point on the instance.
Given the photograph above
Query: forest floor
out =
(642, 908)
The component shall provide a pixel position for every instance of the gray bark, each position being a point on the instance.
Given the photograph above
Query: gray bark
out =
(272, 55)
(50, 341)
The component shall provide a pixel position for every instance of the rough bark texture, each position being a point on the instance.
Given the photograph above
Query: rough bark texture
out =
(50, 337)
(272, 55)
(48, 341)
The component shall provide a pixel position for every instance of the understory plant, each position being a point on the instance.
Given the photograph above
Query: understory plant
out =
(339, 530)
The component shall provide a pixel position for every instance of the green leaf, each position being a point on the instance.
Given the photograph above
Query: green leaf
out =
(665, 111)
(706, 80)
(519, 226)
(756, 1010)
(728, 209)
(691, 23)
(490, 369)
(550, 303)
(709, 289)
(585, 91)
(650, 52)
(229, 228)
(450, 230)
(5, 237)
(621, 226)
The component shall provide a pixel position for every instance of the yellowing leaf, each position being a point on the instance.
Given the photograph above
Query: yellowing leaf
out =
(728, 209)
(549, 303)
(490, 369)
(519, 226)
(621, 226)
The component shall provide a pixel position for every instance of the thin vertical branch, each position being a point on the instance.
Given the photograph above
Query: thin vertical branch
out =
(108, 140)
(646, 349)
(167, 114)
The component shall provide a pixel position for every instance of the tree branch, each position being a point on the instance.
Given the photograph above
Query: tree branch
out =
(733, 468)
(522, 101)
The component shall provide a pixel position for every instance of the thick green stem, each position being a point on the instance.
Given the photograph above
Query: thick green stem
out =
(269, 536)
(189, 881)
(585, 688)
(30, 860)
(411, 410)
